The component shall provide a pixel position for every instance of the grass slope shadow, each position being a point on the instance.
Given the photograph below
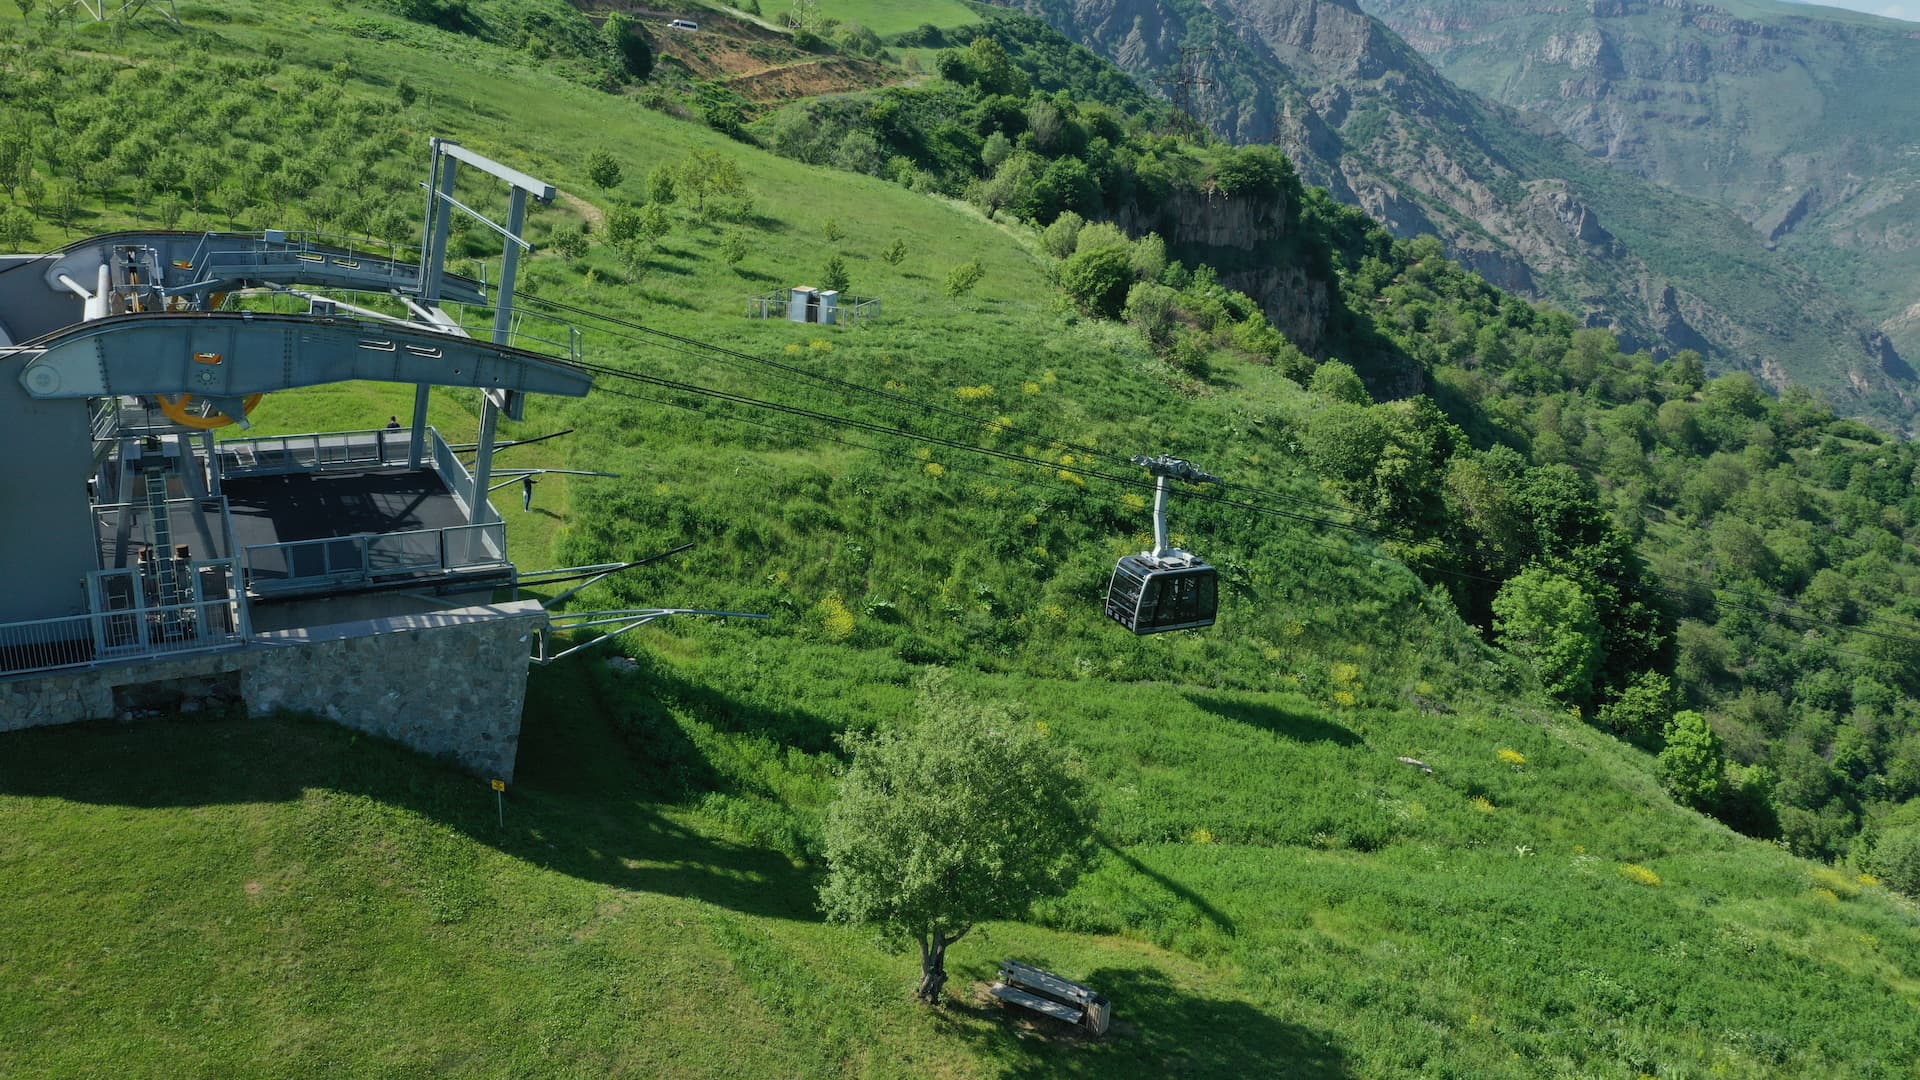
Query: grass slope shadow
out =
(1298, 727)
(578, 805)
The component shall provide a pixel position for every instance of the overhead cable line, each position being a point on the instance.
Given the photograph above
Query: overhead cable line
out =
(693, 347)
(798, 373)
(955, 444)
(1301, 540)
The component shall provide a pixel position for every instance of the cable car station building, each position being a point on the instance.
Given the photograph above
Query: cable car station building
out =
(351, 575)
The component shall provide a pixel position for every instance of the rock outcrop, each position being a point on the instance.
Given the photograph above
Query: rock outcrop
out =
(1234, 234)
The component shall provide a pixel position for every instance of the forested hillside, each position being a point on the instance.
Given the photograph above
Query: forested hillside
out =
(1502, 605)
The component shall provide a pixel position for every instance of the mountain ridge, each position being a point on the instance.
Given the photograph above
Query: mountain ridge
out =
(1362, 113)
(1780, 113)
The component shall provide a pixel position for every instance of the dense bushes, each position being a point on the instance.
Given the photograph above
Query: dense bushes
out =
(1098, 280)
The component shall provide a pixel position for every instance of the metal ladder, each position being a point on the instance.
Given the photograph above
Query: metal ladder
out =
(165, 575)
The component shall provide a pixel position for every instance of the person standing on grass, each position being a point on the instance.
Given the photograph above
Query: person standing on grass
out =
(526, 493)
(393, 423)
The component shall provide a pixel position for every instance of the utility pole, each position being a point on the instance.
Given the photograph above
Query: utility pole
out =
(1180, 85)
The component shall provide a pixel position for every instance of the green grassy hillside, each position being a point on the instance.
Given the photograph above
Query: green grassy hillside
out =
(1277, 892)
(211, 897)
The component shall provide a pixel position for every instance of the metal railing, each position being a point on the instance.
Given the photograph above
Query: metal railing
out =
(221, 254)
(47, 644)
(103, 421)
(317, 452)
(368, 558)
(453, 473)
(534, 331)
(345, 451)
(123, 625)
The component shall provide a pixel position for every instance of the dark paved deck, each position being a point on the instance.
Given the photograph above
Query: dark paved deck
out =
(313, 506)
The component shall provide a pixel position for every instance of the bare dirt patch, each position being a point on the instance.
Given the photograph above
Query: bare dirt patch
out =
(596, 217)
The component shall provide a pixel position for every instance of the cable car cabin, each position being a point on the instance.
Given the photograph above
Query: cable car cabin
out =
(1149, 595)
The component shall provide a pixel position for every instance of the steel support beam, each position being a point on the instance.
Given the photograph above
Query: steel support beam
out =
(231, 354)
(436, 249)
(502, 330)
(539, 189)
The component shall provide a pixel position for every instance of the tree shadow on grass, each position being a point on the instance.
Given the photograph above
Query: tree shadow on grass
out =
(1158, 1030)
(579, 805)
(664, 299)
(1199, 903)
(1299, 727)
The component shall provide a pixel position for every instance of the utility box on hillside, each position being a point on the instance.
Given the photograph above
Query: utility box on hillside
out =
(803, 304)
(807, 304)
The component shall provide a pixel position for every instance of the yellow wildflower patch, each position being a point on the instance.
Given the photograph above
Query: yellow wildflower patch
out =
(835, 618)
(1640, 874)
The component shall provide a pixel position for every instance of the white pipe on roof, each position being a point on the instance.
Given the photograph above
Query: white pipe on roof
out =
(95, 302)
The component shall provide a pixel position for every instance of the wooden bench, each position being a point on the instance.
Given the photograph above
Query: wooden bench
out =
(1049, 994)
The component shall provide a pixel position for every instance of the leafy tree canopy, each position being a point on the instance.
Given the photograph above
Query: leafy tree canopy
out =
(969, 814)
(1692, 764)
(1549, 621)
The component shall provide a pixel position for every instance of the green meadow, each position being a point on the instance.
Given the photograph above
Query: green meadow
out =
(892, 16)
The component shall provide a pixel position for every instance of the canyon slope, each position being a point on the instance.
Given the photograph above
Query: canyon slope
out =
(1365, 114)
(1799, 119)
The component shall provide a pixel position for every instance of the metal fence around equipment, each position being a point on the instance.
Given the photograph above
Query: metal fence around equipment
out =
(124, 625)
(848, 310)
(373, 558)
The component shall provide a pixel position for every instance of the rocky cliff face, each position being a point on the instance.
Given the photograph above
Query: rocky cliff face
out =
(1798, 119)
(1215, 229)
(1363, 114)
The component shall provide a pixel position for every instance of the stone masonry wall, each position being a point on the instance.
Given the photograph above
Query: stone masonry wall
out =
(450, 683)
